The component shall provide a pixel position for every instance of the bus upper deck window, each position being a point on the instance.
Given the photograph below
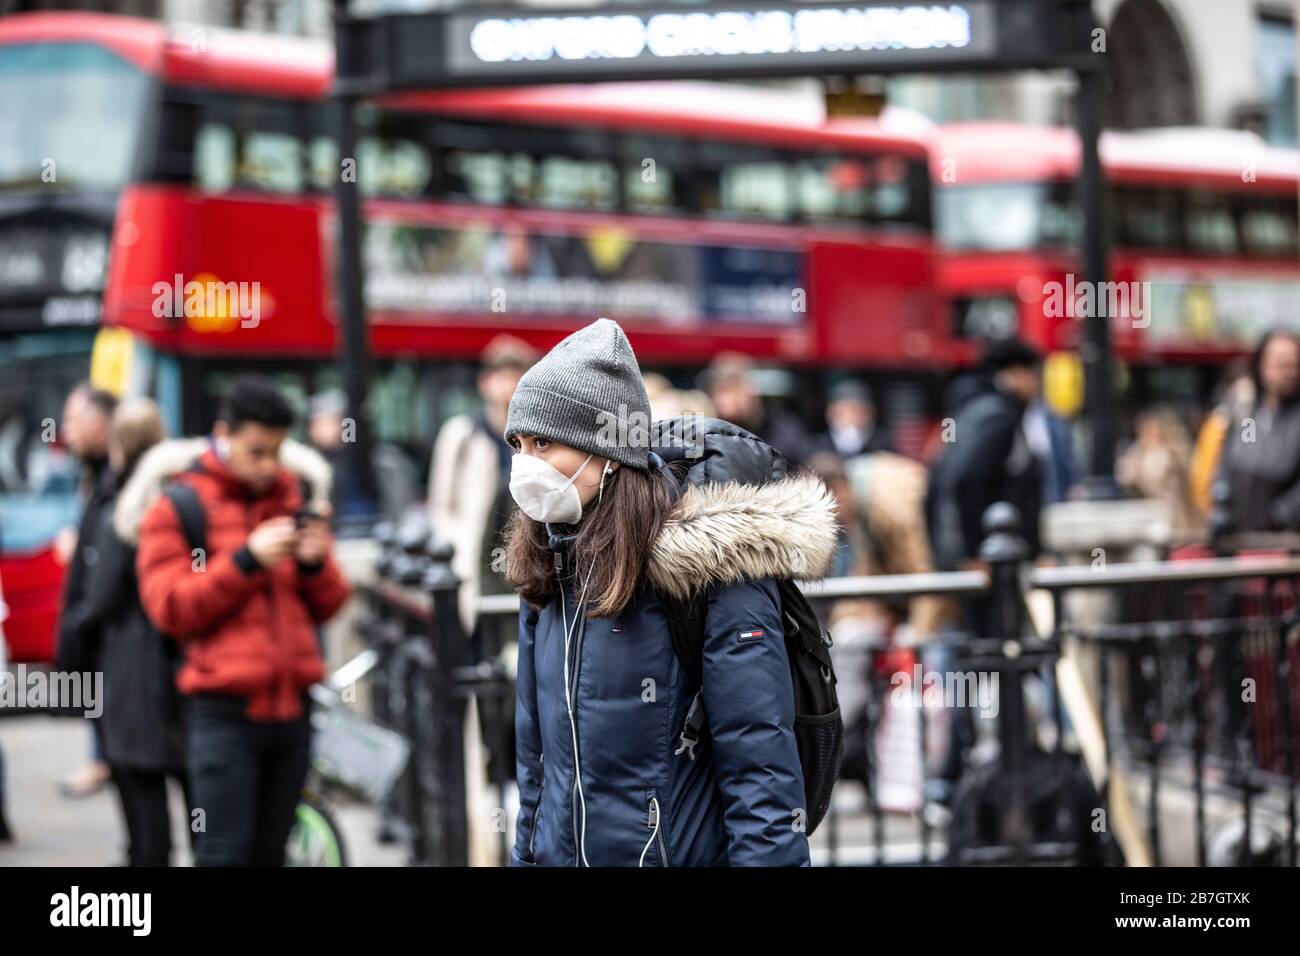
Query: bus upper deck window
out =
(1210, 224)
(271, 162)
(566, 183)
(1269, 227)
(214, 158)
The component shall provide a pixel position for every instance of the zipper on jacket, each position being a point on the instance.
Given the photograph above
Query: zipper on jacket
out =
(573, 696)
(572, 703)
(537, 811)
(654, 819)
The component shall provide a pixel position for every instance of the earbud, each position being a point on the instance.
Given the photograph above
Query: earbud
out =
(601, 495)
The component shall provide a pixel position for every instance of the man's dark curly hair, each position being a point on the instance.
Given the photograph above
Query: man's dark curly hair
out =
(253, 398)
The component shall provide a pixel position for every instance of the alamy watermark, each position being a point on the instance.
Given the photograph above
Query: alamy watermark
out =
(629, 428)
(945, 689)
(1081, 300)
(22, 689)
(195, 299)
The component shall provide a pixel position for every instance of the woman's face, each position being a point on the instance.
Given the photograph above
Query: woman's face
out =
(567, 460)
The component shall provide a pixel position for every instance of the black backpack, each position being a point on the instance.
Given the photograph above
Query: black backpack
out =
(725, 452)
(189, 512)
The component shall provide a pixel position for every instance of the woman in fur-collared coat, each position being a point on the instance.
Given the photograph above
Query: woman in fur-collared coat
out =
(609, 534)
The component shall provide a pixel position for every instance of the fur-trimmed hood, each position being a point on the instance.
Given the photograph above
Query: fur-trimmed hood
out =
(723, 533)
(175, 455)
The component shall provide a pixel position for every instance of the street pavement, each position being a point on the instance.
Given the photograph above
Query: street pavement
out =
(53, 830)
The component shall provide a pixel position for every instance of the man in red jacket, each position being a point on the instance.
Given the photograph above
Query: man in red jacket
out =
(245, 608)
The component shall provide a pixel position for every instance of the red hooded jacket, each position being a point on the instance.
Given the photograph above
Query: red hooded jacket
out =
(246, 630)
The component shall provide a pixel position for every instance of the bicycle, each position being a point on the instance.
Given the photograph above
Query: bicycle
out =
(351, 753)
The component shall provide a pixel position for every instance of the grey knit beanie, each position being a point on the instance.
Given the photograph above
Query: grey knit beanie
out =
(587, 393)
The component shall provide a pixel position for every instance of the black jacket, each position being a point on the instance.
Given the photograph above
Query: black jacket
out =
(786, 433)
(80, 638)
(143, 720)
(986, 459)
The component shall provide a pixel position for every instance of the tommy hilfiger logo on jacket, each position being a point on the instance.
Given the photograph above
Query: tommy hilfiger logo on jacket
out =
(750, 635)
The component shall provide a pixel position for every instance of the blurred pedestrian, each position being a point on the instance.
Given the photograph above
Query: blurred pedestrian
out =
(469, 476)
(852, 427)
(668, 402)
(331, 431)
(86, 416)
(735, 395)
(600, 692)
(469, 507)
(1156, 466)
(142, 724)
(986, 457)
(1259, 466)
(1236, 399)
(1051, 441)
(245, 604)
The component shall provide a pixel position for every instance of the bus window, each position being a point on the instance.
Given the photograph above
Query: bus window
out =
(741, 181)
(999, 217)
(393, 168)
(322, 162)
(271, 162)
(478, 177)
(650, 181)
(38, 476)
(1209, 225)
(1269, 226)
(243, 142)
(833, 188)
(1144, 218)
(70, 116)
(564, 183)
(214, 158)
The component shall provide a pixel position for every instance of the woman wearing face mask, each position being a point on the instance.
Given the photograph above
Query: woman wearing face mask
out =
(607, 535)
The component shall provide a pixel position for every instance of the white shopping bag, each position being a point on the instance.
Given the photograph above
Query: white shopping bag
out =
(900, 774)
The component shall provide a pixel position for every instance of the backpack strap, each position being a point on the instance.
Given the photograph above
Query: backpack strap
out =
(686, 622)
(189, 511)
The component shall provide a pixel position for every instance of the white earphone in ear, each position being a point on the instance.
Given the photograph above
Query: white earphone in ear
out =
(601, 495)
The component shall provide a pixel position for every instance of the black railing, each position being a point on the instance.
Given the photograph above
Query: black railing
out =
(1058, 782)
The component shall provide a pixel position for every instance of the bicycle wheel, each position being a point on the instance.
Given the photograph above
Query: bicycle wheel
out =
(316, 838)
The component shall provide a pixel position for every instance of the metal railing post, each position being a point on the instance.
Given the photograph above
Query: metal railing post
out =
(1005, 552)
(408, 567)
(447, 646)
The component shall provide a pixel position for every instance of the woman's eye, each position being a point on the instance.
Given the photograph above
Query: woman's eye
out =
(540, 442)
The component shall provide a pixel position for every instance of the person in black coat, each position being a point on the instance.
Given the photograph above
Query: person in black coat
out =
(143, 722)
(736, 399)
(86, 415)
(1259, 467)
(986, 458)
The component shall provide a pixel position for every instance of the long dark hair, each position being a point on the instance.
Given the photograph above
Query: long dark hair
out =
(612, 544)
(1257, 357)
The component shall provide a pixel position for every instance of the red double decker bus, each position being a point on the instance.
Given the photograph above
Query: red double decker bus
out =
(701, 216)
(1202, 232)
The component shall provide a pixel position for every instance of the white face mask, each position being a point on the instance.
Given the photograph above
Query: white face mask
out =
(543, 492)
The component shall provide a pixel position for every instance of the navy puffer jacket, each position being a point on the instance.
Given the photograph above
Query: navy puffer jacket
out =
(633, 801)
